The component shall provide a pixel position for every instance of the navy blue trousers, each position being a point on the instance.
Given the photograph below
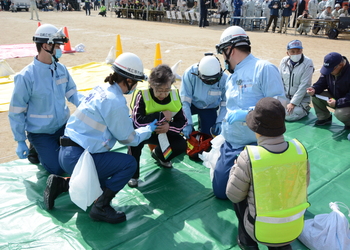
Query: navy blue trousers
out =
(47, 146)
(114, 169)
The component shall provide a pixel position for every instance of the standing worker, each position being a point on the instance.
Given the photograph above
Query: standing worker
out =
(38, 103)
(33, 7)
(202, 92)
(203, 12)
(251, 80)
(99, 122)
(88, 7)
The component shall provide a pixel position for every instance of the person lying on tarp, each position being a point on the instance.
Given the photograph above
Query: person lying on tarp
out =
(159, 101)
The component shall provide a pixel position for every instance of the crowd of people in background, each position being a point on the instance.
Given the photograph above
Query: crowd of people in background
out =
(279, 14)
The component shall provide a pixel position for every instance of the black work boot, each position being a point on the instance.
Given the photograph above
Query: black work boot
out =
(55, 185)
(102, 210)
(33, 155)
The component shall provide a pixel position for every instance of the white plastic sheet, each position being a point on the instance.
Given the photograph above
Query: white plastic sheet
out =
(327, 231)
(84, 186)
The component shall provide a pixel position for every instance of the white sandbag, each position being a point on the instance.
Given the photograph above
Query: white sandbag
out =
(84, 185)
(327, 231)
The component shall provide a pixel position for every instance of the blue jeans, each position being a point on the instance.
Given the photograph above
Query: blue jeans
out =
(206, 118)
(114, 169)
(47, 146)
(223, 168)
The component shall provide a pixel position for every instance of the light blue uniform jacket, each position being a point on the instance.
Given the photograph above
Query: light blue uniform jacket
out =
(252, 80)
(102, 119)
(38, 103)
(194, 91)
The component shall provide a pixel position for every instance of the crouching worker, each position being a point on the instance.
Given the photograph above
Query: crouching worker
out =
(202, 92)
(159, 101)
(280, 172)
(102, 11)
(99, 122)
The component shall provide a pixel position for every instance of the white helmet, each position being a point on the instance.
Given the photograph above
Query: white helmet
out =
(209, 69)
(49, 34)
(130, 66)
(232, 36)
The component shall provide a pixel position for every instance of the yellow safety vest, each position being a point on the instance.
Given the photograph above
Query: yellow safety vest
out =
(280, 190)
(151, 106)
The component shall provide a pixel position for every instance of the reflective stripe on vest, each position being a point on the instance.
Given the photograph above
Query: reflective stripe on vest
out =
(280, 190)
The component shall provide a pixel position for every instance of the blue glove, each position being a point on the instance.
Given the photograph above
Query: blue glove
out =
(22, 150)
(216, 129)
(153, 125)
(237, 116)
(187, 131)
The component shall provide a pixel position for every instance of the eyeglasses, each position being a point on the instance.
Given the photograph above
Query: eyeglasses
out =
(161, 91)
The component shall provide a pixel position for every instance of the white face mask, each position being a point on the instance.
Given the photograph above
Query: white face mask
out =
(295, 58)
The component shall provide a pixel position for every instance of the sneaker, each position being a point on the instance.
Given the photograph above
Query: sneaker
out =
(166, 164)
(133, 183)
(324, 122)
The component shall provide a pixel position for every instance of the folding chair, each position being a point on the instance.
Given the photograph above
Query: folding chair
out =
(193, 17)
(179, 16)
(198, 15)
(187, 17)
(173, 15)
(168, 15)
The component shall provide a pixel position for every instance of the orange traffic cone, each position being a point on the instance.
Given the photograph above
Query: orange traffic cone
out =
(67, 48)
(157, 56)
(118, 47)
(39, 24)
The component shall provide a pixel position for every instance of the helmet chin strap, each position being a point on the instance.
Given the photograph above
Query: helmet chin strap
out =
(129, 86)
(51, 52)
(227, 62)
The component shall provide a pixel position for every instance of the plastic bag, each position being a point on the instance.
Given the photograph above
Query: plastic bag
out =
(84, 185)
(327, 231)
(111, 56)
(210, 158)
(5, 69)
(80, 48)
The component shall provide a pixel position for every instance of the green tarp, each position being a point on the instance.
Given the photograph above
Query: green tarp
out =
(171, 209)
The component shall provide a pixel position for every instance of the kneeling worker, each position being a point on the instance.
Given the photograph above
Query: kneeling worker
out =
(202, 92)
